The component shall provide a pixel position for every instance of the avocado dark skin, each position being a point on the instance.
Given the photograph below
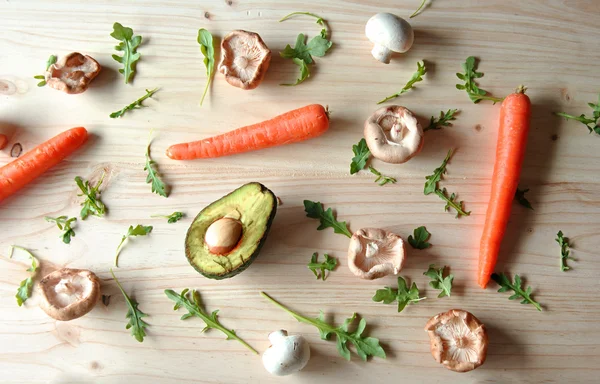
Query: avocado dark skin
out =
(255, 206)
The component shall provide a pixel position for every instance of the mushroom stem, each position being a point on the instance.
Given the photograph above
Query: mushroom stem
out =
(381, 53)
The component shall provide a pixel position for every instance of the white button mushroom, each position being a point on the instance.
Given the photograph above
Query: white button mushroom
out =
(287, 354)
(389, 33)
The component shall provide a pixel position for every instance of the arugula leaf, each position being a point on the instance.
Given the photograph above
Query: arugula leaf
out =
(470, 74)
(92, 205)
(158, 186)
(416, 77)
(206, 41)
(26, 286)
(418, 11)
(64, 224)
(139, 230)
(452, 203)
(329, 264)
(51, 60)
(592, 123)
(439, 281)
(402, 295)
(320, 21)
(442, 121)
(135, 105)
(172, 218)
(195, 308)
(432, 180)
(365, 346)
(506, 284)
(564, 251)
(520, 197)
(134, 314)
(382, 179)
(361, 156)
(419, 241)
(128, 45)
(326, 218)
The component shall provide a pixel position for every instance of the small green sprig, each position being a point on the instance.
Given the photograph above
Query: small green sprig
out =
(419, 241)
(506, 284)
(26, 286)
(206, 41)
(172, 218)
(135, 105)
(520, 197)
(418, 11)
(564, 251)
(469, 76)
(196, 308)
(416, 77)
(51, 60)
(134, 314)
(403, 295)
(359, 162)
(382, 179)
(64, 224)
(364, 346)
(315, 210)
(319, 268)
(128, 45)
(153, 178)
(139, 230)
(451, 202)
(92, 205)
(443, 121)
(438, 281)
(592, 123)
(431, 186)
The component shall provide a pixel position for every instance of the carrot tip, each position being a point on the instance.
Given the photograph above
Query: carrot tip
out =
(521, 89)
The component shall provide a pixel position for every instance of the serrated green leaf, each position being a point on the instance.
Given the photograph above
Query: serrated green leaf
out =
(520, 197)
(128, 45)
(419, 241)
(470, 74)
(92, 205)
(134, 314)
(135, 105)
(592, 123)
(439, 281)
(506, 284)
(64, 224)
(315, 210)
(416, 77)
(565, 252)
(206, 41)
(403, 295)
(319, 268)
(158, 186)
(443, 121)
(361, 156)
(431, 181)
(138, 230)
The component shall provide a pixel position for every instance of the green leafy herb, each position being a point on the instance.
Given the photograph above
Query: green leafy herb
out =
(172, 218)
(439, 281)
(64, 224)
(431, 183)
(134, 314)
(320, 21)
(92, 204)
(382, 179)
(403, 295)
(470, 74)
(195, 308)
(564, 251)
(443, 121)
(316, 211)
(520, 197)
(506, 284)
(206, 41)
(359, 162)
(592, 123)
(416, 77)
(329, 264)
(158, 186)
(451, 202)
(135, 105)
(418, 11)
(365, 346)
(128, 45)
(419, 241)
(26, 286)
(139, 230)
(51, 60)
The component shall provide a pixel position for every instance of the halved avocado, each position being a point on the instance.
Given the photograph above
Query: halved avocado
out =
(254, 205)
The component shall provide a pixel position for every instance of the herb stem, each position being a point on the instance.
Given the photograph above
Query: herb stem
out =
(476, 98)
(13, 247)
(418, 9)
(320, 20)
(319, 324)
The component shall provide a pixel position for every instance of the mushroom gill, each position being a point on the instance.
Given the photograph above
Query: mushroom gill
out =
(245, 59)
(374, 253)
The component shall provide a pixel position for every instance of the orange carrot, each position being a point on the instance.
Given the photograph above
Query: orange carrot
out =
(26, 168)
(3, 141)
(297, 125)
(510, 151)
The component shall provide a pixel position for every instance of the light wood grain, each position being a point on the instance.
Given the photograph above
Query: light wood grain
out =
(549, 45)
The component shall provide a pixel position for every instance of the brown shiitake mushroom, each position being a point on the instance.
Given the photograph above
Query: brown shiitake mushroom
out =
(245, 59)
(374, 253)
(73, 73)
(69, 293)
(458, 340)
(393, 134)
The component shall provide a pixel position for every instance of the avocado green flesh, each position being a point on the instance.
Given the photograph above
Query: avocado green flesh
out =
(254, 206)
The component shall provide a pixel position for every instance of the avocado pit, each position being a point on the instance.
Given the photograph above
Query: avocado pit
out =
(223, 235)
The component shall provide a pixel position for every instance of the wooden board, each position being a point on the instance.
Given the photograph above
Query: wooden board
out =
(551, 46)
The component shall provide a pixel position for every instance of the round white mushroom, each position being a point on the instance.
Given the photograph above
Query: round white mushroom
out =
(287, 354)
(389, 33)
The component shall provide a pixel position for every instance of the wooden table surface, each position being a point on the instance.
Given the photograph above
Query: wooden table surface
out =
(551, 46)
